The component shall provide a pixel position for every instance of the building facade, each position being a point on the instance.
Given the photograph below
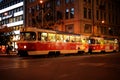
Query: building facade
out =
(12, 17)
(88, 17)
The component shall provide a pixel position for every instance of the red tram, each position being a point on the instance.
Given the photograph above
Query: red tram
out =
(35, 41)
(98, 44)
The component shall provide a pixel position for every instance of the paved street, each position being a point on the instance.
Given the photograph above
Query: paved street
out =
(86, 67)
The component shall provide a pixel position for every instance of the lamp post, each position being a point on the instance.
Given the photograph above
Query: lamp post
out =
(41, 2)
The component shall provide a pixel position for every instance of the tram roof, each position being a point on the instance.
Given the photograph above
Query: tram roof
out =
(110, 38)
(36, 29)
(47, 30)
(67, 33)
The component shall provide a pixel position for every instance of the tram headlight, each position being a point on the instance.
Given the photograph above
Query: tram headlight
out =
(25, 46)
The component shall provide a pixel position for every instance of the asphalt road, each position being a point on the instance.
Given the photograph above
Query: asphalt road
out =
(85, 67)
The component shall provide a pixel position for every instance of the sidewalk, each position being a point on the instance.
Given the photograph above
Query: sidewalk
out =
(12, 54)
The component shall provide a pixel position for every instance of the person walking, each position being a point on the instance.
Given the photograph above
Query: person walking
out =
(8, 49)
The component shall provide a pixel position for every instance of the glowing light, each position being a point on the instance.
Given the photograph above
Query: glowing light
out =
(25, 47)
(41, 1)
(5, 14)
(103, 21)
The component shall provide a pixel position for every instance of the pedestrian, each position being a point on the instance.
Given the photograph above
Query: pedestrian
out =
(90, 50)
(7, 49)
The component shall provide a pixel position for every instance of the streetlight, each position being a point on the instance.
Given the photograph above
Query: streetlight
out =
(103, 21)
(41, 2)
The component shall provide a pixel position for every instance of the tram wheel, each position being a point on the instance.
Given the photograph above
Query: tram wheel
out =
(57, 53)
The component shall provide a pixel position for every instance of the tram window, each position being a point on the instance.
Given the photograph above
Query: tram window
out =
(111, 42)
(21, 36)
(72, 38)
(101, 41)
(105, 41)
(83, 40)
(116, 41)
(59, 37)
(28, 36)
(78, 39)
(66, 38)
(43, 36)
(97, 42)
(92, 41)
(51, 37)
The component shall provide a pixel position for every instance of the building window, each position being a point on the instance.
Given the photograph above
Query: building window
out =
(98, 28)
(101, 15)
(67, 13)
(104, 16)
(30, 9)
(85, 12)
(85, 0)
(10, 20)
(37, 7)
(97, 2)
(72, 0)
(103, 30)
(69, 28)
(69, 1)
(89, 13)
(88, 28)
(31, 0)
(47, 5)
(21, 17)
(109, 18)
(21, 8)
(58, 2)
(72, 13)
(66, 1)
(97, 15)
(89, 1)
